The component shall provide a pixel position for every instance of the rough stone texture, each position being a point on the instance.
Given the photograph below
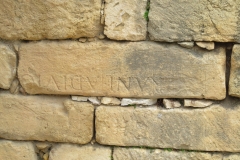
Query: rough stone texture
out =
(157, 154)
(186, 44)
(43, 118)
(215, 128)
(48, 19)
(206, 45)
(8, 63)
(14, 150)
(234, 82)
(76, 152)
(168, 103)
(110, 101)
(130, 101)
(205, 20)
(124, 19)
(127, 69)
(197, 103)
(14, 89)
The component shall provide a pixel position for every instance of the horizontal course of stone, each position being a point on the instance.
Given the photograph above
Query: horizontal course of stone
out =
(41, 118)
(122, 69)
(215, 128)
(49, 19)
(205, 20)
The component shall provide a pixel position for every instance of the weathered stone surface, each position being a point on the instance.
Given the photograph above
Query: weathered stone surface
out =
(157, 154)
(205, 20)
(43, 118)
(215, 128)
(186, 44)
(48, 19)
(14, 89)
(94, 100)
(127, 69)
(75, 152)
(206, 45)
(14, 150)
(131, 101)
(197, 103)
(124, 20)
(234, 82)
(8, 65)
(110, 101)
(168, 103)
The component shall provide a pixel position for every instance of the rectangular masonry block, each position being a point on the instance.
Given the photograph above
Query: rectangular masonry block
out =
(234, 82)
(195, 20)
(76, 152)
(49, 19)
(14, 150)
(45, 118)
(125, 69)
(214, 128)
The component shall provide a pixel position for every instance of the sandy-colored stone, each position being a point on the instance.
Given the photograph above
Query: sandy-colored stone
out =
(157, 154)
(231, 157)
(110, 101)
(76, 152)
(124, 19)
(186, 44)
(128, 69)
(79, 98)
(8, 63)
(94, 100)
(206, 45)
(131, 101)
(215, 128)
(49, 19)
(234, 82)
(205, 20)
(168, 103)
(14, 89)
(45, 118)
(43, 145)
(16, 150)
(197, 103)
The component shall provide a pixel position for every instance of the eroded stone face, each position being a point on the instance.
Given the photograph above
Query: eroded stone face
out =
(124, 20)
(45, 118)
(17, 150)
(8, 63)
(205, 20)
(49, 19)
(127, 69)
(87, 152)
(234, 82)
(215, 128)
(157, 154)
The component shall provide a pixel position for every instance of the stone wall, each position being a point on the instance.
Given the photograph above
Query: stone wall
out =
(119, 80)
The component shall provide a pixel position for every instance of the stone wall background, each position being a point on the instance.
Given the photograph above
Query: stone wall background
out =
(118, 79)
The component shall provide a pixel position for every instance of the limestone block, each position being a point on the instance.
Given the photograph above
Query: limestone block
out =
(197, 103)
(206, 45)
(130, 101)
(75, 152)
(215, 128)
(168, 103)
(157, 154)
(186, 44)
(205, 20)
(14, 150)
(110, 101)
(45, 118)
(49, 19)
(128, 69)
(124, 19)
(234, 82)
(8, 63)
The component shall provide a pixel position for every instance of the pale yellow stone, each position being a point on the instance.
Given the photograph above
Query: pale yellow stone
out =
(205, 20)
(197, 103)
(234, 82)
(168, 103)
(124, 19)
(76, 152)
(215, 128)
(14, 86)
(49, 19)
(45, 118)
(8, 63)
(206, 45)
(128, 69)
(157, 154)
(110, 101)
(16, 150)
